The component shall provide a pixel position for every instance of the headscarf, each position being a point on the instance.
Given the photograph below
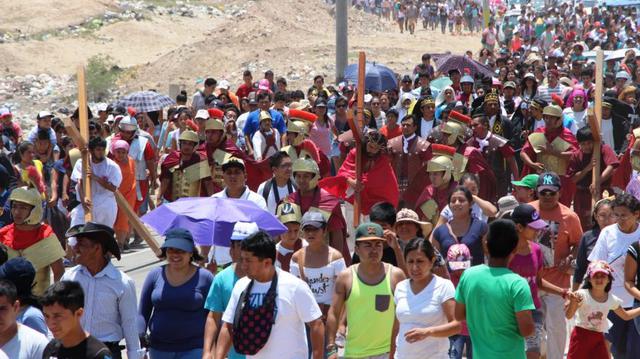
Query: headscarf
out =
(441, 97)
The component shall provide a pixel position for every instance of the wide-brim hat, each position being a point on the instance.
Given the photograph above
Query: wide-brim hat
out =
(407, 215)
(98, 232)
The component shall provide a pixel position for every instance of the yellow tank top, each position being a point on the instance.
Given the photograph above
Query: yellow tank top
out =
(370, 316)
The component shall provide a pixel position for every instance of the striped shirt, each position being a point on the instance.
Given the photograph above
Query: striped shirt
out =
(545, 92)
(110, 306)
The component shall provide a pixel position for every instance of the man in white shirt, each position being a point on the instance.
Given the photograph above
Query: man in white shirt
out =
(17, 340)
(294, 307)
(110, 295)
(105, 179)
(234, 176)
(280, 185)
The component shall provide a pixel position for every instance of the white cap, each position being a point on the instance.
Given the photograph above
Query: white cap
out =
(42, 114)
(101, 107)
(111, 119)
(368, 97)
(224, 84)
(242, 230)
(203, 114)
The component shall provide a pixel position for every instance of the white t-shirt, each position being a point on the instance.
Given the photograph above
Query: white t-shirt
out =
(221, 254)
(422, 310)
(321, 280)
(606, 132)
(426, 127)
(295, 306)
(612, 247)
(592, 315)
(283, 192)
(26, 344)
(259, 143)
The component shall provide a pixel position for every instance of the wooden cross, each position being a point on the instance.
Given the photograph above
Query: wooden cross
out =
(356, 130)
(80, 138)
(594, 123)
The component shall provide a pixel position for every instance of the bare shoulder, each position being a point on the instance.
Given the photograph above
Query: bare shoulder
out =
(296, 255)
(335, 254)
(397, 275)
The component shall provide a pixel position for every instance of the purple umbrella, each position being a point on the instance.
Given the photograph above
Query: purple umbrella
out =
(211, 220)
(461, 62)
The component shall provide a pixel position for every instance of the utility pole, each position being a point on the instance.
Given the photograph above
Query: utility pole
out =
(342, 47)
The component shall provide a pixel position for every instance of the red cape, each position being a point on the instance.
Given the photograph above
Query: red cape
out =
(478, 164)
(622, 174)
(380, 184)
(318, 156)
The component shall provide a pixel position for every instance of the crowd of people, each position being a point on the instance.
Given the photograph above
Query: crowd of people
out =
(479, 235)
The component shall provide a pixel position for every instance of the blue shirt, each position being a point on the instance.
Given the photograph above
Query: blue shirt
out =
(253, 122)
(473, 239)
(175, 316)
(33, 318)
(219, 297)
(33, 136)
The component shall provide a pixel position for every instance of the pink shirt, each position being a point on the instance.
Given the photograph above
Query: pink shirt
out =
(320, 134)
(528, 266)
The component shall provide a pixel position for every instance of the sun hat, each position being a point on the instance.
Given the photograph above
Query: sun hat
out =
(407, 215)
(506, 205)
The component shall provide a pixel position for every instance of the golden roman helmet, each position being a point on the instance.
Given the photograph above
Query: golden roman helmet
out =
(307, 165)
(289, 212)
(299, 128)
(439, 164)
(214, 124)
(32, 197)
(455, 131)
(265, 115)
(190, 136)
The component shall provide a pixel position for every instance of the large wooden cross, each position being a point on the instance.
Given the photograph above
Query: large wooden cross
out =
(594, 124)
(81, 139)
(356, 130)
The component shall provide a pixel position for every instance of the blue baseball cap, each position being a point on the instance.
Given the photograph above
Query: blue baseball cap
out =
(179, 238)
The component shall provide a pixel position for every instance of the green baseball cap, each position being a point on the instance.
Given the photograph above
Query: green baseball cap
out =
(369, 232)
(529, 181)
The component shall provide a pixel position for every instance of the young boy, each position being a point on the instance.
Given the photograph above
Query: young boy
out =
(290, 215)
(63, 306)
(495, 302)
(580, 169)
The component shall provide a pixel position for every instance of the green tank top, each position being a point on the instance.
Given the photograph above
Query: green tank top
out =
(370, 316)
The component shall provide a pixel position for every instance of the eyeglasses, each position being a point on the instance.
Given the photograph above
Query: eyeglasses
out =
(547, 193)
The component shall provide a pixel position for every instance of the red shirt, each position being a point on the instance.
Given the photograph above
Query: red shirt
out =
(244, 90)
(580, 160)
(389, 134)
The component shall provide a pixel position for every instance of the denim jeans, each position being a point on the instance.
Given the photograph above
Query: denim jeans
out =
(189, 354)
(457, 344)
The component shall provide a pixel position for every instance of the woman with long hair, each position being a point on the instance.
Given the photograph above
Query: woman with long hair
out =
(529, 86)
(320, 131)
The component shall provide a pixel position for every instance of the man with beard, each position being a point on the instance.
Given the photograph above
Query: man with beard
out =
(309, 196)
(497, 152)
(142, 151)
(183, 172)
(217, 146)
(377, 183)
(409, 156)
(105, 176)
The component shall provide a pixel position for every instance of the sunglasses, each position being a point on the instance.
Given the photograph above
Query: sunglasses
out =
(547, 193)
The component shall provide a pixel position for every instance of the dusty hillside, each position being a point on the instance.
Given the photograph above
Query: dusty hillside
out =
(162, 42)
